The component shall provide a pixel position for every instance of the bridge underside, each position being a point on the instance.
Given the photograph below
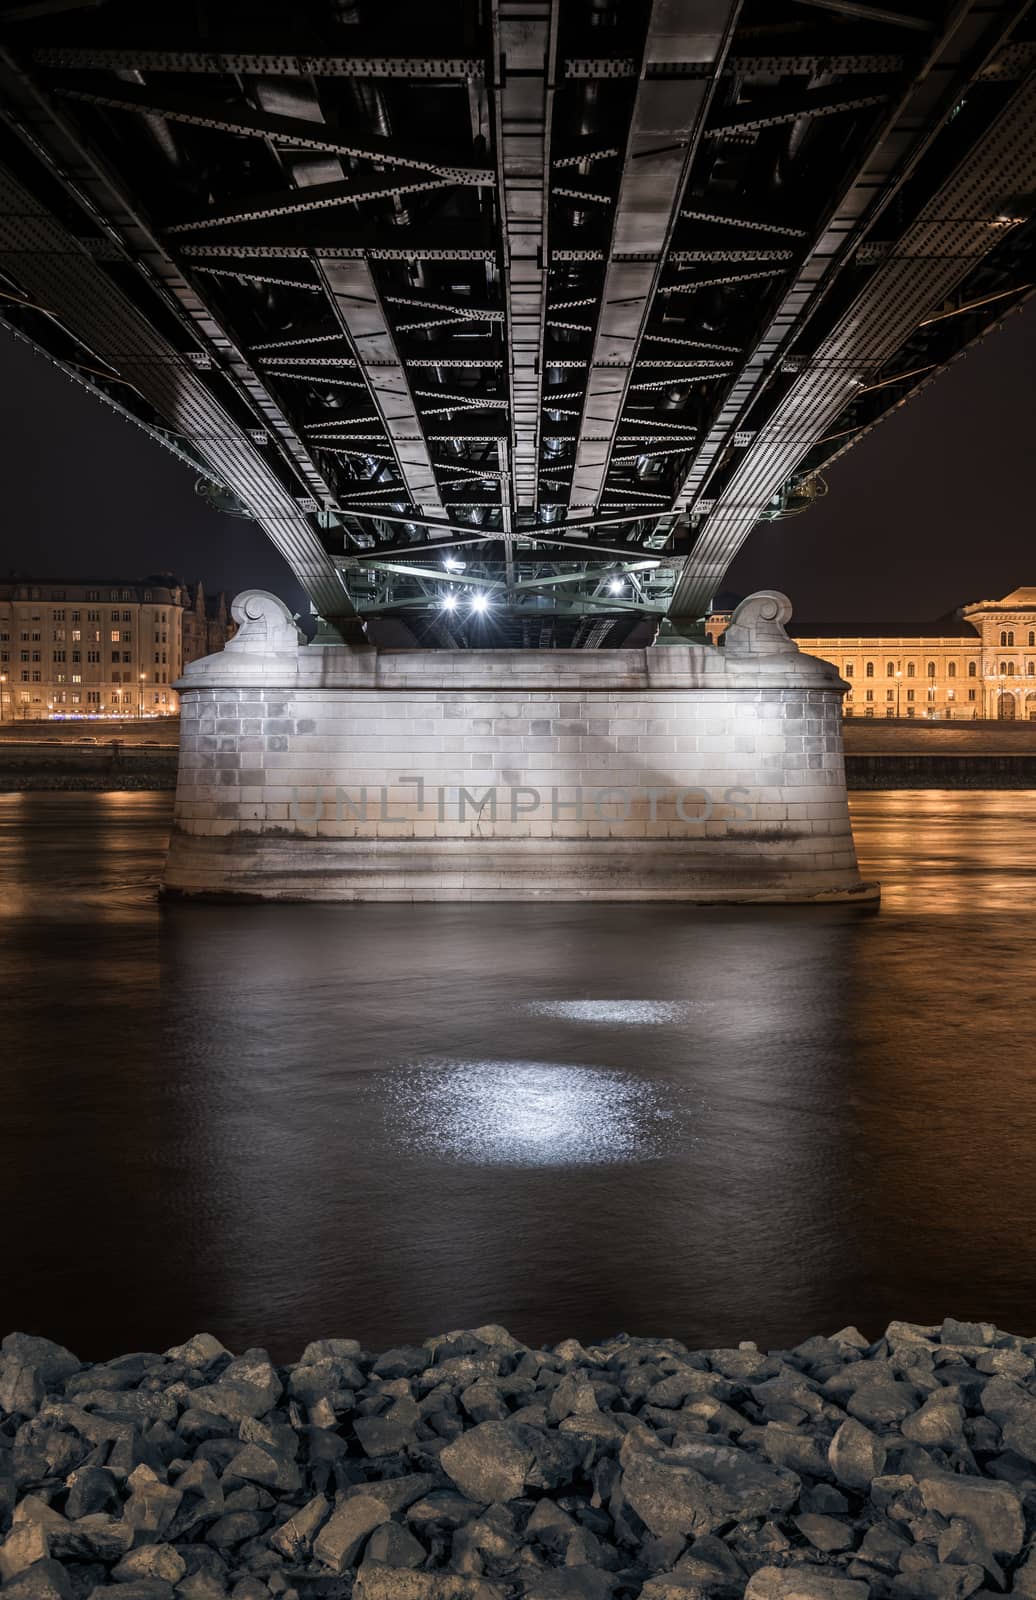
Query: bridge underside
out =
(508, 321)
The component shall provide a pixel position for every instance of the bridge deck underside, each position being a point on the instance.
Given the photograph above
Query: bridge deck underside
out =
(541, 306)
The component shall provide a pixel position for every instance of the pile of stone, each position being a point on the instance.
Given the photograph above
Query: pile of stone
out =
(474, 1468)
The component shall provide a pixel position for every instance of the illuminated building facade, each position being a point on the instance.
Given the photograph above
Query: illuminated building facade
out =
(101, 647)
(979, 663)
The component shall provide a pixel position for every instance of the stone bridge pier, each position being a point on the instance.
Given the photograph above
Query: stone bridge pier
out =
(681, 772)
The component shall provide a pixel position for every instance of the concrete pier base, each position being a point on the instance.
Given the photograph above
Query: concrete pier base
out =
(682, 772)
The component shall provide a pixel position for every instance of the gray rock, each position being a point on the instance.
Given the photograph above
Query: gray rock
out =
(393, 1431)
(443, 1509)
(483, 1401)
(342, 1536)
(26, 1544)
(150, 1561)
(235, 1527)
(939, 1423)
(139, 1589)
(802, 1583)
(938, 1583)
(374, 1581)
(258, 1465)
(856, 1456)
(993, 1509)
(199, 1351)
(21, 1387)
(330, 1350)
(395, 1546)
(694, 1487)
(44, 1580)
(52, 1361)
(294, 1538)
(396, 1494)
(883, 1545)
(489, 1462)
(960, 1544)
(404, 1361)
(882, 1403)
(825, 1533)
(91, 1489)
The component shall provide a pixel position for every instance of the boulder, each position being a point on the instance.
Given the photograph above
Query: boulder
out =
(802, 1583)
(992, 1509)
(150, 1561)
(343, 1534)
(856, 1456)
(489, 1462)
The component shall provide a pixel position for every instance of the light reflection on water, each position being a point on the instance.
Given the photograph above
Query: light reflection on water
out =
(386, 1121)
(525, 1113)
(635, 1013)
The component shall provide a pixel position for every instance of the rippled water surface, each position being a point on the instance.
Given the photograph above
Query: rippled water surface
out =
(277, 1122)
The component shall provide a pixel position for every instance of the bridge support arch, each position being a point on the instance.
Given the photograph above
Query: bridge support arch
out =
(684, 773)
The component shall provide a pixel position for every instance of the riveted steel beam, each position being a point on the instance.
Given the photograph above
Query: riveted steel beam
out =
(974, 35)
(932, 257)
(271, 64)
(667, 122)
(291, 133)
(57, 273)
(524, 51)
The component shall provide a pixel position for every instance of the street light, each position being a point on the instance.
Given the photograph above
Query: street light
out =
(140, 697)
(3, 680)
(898, 676)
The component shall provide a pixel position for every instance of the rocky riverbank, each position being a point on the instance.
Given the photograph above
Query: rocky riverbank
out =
(474, 1468)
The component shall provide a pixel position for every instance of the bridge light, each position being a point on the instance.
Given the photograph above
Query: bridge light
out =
(452, 564)
(479, 602)
(616, 586)
(449, 602)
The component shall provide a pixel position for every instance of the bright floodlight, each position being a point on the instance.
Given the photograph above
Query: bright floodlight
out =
(479, 603)
(451, 563)
(616, 586)
(449, 601)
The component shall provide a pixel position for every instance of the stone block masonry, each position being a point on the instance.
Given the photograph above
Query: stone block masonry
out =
(681, 772)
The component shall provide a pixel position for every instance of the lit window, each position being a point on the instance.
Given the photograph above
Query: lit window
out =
(77, 677)
(116, 636)
(77, 633)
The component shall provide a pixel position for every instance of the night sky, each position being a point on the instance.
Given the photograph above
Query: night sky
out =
(930, 511)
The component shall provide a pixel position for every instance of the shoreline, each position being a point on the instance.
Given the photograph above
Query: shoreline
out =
(474, 1467)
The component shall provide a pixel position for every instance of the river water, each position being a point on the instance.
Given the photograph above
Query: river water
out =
(282, 1122)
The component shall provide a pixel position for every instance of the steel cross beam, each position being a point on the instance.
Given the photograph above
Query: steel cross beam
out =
(668, 119)
(524, 52)
(952, 233)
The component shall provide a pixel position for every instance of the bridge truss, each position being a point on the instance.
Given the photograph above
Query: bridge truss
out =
(542, 304)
